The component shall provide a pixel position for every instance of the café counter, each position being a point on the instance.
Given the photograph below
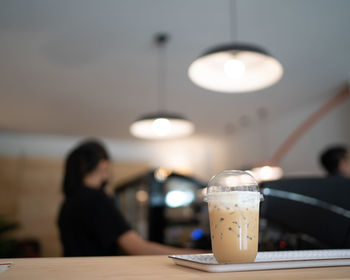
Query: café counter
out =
(146, 267)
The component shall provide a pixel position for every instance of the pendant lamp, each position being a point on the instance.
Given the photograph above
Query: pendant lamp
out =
(161, 125)
(235, 67)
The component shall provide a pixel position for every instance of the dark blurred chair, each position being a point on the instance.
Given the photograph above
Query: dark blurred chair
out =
(317, 207)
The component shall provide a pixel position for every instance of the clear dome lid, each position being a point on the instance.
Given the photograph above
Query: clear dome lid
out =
(232, 180)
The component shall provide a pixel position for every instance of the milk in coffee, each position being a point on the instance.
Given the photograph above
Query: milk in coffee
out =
(234, 225)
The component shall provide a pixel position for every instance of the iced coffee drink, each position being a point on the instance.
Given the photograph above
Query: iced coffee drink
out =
(233, 203)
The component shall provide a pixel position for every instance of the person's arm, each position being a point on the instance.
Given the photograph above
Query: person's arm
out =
(133, 244)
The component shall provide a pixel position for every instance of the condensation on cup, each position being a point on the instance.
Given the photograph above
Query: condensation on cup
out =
(233, 202)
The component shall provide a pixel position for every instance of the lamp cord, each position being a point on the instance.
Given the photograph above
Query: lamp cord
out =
(161, 39)
(233, 20)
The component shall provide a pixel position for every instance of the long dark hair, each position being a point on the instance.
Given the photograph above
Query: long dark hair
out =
(80, 161)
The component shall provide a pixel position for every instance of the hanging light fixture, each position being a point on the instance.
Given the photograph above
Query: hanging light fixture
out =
(161, 125)
(235, 67)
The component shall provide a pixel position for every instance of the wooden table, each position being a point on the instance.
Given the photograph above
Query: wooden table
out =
(146, 267)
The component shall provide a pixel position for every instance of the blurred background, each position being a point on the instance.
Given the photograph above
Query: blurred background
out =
(76, 69)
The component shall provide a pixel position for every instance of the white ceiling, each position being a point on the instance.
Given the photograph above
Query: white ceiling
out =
(90, 68)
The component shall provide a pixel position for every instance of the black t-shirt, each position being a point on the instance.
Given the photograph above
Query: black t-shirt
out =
(90, 224)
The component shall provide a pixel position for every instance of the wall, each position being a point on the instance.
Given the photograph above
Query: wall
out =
(31, 196)
(199, 156)
(261, 139)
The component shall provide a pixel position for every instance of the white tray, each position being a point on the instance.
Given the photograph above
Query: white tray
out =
(268, 260)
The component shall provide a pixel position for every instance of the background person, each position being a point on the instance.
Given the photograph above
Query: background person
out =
(336, 161)
(89, 222)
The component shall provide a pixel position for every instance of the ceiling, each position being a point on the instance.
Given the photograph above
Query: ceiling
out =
(90, 67)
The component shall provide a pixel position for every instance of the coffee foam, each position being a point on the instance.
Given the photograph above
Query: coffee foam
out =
(242, 198)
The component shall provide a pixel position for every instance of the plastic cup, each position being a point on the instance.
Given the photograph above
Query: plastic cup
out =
(233, 202)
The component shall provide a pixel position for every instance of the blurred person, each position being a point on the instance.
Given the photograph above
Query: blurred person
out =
(89, 222)
(336, 161)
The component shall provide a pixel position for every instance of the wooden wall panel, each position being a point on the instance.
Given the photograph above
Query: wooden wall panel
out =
(9, 185)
